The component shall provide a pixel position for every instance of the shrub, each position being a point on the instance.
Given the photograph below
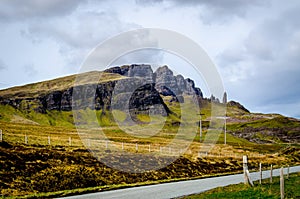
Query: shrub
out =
(64, 178)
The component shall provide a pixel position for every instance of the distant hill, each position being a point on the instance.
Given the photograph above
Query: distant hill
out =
(50, 102)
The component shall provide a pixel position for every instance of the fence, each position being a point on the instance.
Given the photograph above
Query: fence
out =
(73, 140)
(247, 177)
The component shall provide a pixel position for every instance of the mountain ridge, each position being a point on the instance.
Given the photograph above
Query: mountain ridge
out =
(57, 94)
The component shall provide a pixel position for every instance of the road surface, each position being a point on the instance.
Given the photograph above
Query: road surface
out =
(177, 189)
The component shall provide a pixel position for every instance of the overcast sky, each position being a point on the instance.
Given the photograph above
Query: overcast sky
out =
(255, 45)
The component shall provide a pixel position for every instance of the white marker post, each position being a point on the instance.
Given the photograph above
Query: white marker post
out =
(249, 178)
(260, 173)
(271, 174)
(70, 141)
(281, 184)
(245, 168)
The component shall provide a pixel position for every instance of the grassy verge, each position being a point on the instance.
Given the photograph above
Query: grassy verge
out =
(265, 190)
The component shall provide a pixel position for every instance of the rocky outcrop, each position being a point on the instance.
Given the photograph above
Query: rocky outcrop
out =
(169, 85)
(141, 92)
(165, 82)
(135, 70)
(144, 98)
(140, 97)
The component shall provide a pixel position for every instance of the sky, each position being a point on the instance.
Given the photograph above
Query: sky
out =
(255, 45)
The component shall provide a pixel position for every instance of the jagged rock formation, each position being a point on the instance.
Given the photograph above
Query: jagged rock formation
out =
(142, 90)
(169, 85)
(224, 100)
(135, 70)
(165, 82)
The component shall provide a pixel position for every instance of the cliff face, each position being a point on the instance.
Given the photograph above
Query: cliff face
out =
(163, 78)
(135, 70)
(141, 92)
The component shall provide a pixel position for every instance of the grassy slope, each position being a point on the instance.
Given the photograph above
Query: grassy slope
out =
(63, 83)
(240, 120)
(59, 125)
(36, 169)
(266, 190)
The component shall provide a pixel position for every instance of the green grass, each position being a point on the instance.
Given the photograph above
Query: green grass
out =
(266, 190)
(52, 118)
(63, 83)
(277, 122)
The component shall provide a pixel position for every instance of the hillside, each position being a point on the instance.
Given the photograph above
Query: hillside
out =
(42, 151)
(50, 102)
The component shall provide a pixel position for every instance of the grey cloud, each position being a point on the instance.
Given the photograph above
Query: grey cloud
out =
(83, 31)
(218, 11)
(279, 87)
(2, 65)
(274, 40)
(147, 2)
(271, 55)
(150, 56)
(123, 44)
(78, 34)
(276, 91)
(30, 70)
(11, 10)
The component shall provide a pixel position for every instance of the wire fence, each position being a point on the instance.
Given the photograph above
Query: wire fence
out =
(250, 177)
(74, 140)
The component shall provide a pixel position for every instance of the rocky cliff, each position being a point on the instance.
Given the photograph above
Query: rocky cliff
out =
(141, 88)
(163, 78)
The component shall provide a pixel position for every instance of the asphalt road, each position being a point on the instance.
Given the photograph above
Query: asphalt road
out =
(177, 189)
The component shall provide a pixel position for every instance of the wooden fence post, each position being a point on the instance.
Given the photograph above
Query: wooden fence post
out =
(260, 173)
(1, 137)
(245, 167)
(136, 146)
(271, 174)
(26, 139)
(281, 184)
(70, 141)
(249, 178)
(149, 148)
(49, 140)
